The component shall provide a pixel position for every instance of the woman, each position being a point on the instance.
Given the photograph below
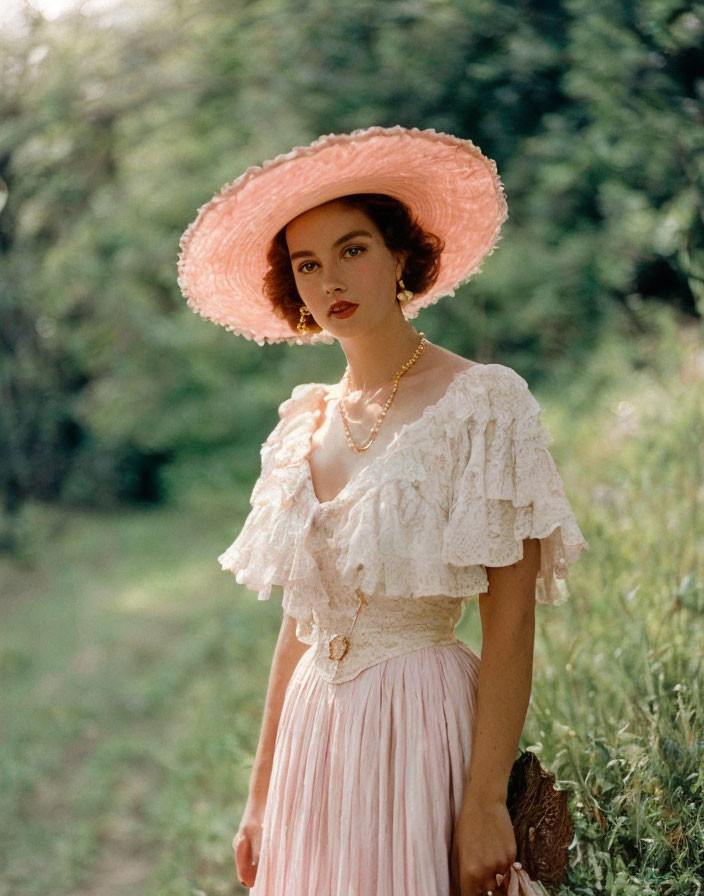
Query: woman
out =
(385, 502)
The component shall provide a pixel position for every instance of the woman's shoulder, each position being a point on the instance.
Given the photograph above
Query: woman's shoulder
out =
(448, 366)
(482, 399)
(461, 376)
(297, 414)
(303, 397)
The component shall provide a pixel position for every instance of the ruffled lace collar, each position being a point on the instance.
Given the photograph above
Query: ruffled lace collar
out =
(405, 435)
(456, 490)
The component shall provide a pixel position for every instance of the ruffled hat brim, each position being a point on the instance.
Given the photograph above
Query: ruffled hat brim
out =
(451, 188)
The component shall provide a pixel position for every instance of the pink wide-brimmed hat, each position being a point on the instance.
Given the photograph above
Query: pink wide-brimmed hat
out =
(451, 189)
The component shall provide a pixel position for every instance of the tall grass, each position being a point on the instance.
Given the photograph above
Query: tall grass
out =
(134, 671)
(618, 706)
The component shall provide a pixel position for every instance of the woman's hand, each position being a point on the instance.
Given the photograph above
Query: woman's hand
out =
(247, 845)
(483, 847)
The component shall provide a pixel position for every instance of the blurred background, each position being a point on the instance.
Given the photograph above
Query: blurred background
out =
(133, 671)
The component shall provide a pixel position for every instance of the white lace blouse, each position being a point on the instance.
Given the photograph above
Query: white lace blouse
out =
(384, 566)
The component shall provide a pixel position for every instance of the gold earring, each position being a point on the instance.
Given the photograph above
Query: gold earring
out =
(301, 325)
(404, 295)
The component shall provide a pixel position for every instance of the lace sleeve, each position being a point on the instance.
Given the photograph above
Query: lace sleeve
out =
(262, 554)
(510, 489)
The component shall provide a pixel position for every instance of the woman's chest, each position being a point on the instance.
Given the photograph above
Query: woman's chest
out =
(333, 465)
(413, 470)
(343, 449)
(332, 461)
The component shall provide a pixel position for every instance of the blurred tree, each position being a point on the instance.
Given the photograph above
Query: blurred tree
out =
(114, 130)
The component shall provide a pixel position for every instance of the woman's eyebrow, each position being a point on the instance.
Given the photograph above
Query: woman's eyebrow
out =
(343, 239)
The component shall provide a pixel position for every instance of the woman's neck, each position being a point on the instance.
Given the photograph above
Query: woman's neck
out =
(374, 358)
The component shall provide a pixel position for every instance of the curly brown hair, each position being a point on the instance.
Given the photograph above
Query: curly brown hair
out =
(400, 232)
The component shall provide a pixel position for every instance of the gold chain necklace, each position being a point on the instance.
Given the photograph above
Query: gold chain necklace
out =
(351, 441)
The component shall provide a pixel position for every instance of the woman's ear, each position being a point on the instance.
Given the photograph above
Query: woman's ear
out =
(400, 264)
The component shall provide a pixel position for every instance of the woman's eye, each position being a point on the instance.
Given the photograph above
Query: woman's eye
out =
(308, 266)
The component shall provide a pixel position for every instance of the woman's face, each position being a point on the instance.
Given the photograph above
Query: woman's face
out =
(343, 270)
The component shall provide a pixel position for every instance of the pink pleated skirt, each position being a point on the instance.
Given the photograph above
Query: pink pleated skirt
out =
(367, 778)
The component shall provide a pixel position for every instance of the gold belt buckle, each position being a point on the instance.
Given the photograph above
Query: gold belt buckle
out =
(338, 647)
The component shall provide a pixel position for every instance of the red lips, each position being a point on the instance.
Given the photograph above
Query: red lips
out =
(341, 309)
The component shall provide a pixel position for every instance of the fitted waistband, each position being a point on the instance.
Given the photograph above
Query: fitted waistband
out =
(366, 631)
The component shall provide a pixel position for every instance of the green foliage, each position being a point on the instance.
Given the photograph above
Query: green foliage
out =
(619, 709)
(114, 131)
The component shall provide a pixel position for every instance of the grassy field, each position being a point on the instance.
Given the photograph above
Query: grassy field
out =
(134, 670)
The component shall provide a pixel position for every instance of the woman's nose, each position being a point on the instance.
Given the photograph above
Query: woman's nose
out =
(332, 281)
